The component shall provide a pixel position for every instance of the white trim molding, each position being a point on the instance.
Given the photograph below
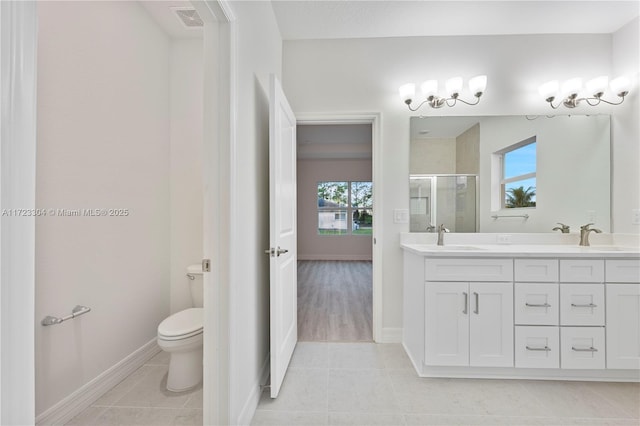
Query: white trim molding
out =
(18, 39)
(391, 335)
(249, 407)
(220, 93)
(86, 395)
(375, 119)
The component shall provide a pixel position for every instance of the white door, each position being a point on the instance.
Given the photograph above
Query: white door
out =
(491, 324)
(282, 234)
(447, 323)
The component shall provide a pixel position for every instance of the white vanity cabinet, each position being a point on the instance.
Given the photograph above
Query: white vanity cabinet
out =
(468, 323)
(522, 314)
(623, 314)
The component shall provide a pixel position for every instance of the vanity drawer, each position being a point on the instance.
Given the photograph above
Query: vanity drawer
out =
(582, 270)
(468, 269)
(537, 347)
(582, 347)
(536, 304)
(623, 271)
(536, 270)
(582, 304)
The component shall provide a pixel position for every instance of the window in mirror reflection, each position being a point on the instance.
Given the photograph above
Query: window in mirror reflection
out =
(518, 180)
(345, 208)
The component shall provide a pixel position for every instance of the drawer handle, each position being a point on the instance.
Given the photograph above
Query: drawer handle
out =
(477, 310)
(466, 303)
(531, 348)
(588, 305)
(591, 349)
(540, 305)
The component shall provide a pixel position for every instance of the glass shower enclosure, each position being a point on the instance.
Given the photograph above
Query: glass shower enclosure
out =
(451, 200)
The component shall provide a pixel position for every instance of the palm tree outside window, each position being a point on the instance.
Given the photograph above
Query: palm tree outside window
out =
(518, 181)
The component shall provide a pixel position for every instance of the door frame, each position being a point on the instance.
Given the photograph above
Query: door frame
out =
(18, 37)
(375, 119)
(17, 190)
(219, 109)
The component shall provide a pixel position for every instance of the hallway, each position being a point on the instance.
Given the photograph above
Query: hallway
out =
(335, 301)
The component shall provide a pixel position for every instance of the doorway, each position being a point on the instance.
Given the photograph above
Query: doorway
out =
(335, 231)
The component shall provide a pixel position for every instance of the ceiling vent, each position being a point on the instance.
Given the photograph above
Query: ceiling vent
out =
(188, 17)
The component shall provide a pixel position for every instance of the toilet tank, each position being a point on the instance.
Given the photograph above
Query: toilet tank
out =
(196, 285)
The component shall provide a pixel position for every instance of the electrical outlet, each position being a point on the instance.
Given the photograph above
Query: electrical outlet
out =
(635, 217)
(503, 239)
(401, 216)
(591, 216)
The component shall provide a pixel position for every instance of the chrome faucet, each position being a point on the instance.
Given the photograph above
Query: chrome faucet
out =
(584, 234)
(562, 228)
(441, 231)
(431, 228)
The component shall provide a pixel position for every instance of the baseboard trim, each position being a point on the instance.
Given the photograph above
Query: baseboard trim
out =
(80, 399)
(391, 335)
(334, 257)
(250, 405)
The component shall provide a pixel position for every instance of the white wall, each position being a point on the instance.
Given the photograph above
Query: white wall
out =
(259, 54)
(626, 130)
(186, 74)
(328, 247)
(103, 142)
(364, 75)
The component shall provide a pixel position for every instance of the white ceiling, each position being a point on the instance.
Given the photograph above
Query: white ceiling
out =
(325, 19)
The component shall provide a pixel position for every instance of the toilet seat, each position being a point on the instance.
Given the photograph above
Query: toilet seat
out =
(181, 325)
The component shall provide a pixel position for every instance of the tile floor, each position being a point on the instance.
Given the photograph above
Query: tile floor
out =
(375, 384)
(142, 399)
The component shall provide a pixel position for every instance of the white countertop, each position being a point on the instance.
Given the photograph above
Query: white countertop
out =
(521, 250)
(522, 245)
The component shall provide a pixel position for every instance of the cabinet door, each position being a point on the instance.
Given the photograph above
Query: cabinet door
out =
(446, 323)
(623, 326)
(491, 324)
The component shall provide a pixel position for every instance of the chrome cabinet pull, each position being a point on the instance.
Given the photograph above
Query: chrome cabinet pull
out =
(591, 349)
(588, 305)
(532, 348)
(539, 305)
(466, 303)
(477, 310)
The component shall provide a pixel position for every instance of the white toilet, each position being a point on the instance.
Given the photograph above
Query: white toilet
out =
(181, 336)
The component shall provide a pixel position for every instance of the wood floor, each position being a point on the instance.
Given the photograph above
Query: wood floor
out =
(335, 301)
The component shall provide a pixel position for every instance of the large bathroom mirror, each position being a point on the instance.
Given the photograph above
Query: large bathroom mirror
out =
(509, 173)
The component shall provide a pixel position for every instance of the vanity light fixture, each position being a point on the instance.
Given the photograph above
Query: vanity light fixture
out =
(593, 91)
(453, 88)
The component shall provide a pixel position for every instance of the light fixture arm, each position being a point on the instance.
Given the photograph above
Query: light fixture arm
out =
(477, 95)
(572, 101)
(596, 87)
(438, 102)
(477, 86)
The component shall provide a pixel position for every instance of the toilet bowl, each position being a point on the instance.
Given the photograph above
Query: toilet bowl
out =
(180, 335)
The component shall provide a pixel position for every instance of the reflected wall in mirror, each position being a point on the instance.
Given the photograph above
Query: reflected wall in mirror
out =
(568, 178)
